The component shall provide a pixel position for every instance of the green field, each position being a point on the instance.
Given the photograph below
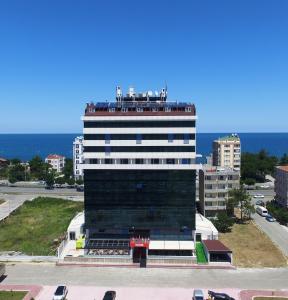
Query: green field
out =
(12, 295)
(34, 227)
(201, 258)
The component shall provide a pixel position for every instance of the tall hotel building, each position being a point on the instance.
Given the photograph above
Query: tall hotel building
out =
(139, 173)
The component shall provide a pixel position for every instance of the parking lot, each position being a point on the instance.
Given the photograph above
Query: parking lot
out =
(123, 293)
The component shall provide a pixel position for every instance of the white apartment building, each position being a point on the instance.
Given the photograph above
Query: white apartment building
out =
(281, 185)
(78, 160)
(227, 152)
(56, 161)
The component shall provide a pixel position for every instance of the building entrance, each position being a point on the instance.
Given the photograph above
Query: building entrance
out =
(140, 256)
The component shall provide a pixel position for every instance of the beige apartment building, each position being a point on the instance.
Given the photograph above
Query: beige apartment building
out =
(227, 152)
(214, 186)
(281, 185)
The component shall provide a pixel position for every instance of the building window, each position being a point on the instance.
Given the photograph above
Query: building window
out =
(139, 161)
(108, 161)
(170, 137)
(167, 109)
(77, 151)
(139, 109)
(124, 161)
(77, 145)
(72, 235)
(155, 161)
(93, 161)
(124, 109)
(112, 109)
(170, 161)
(107, 150)
(107, 138)
(188, 109)
(186, 138)
(138, 138)
(186, 161)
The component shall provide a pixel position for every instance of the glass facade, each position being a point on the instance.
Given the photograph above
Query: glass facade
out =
(137, 124)
(140, 199)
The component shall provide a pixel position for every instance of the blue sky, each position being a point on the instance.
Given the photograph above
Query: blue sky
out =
(229, 57)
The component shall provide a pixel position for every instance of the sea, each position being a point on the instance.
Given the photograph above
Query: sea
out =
(25, 146)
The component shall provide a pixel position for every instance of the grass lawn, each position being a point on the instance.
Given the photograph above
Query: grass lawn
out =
(201, 258)
(2, 201)
(12, 295)
(251, 247)
(34, 226)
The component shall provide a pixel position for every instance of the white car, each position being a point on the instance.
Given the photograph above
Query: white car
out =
(258, 196)
(264, 186)
(198, 295)
(60, 293)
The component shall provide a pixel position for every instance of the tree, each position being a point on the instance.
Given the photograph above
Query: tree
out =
(16, 173)
(284, 160)
(15, 161)
(79, 181)
(223, 222)
(60, 180)
(37, 167)
(240, 198)
(50, 178)
(70, 181)
(68, 168)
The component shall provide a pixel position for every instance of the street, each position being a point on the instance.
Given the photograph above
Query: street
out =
(16, 196)
(49, 274)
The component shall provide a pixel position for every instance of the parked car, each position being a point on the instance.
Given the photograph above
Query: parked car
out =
(219, 296)
(198, 295)
(260, 202)
(2, 270)
(80, 188)
(49, 187)
(258, 196)
(110, 295)
(60, 293)
(264, 186)
(270, 218)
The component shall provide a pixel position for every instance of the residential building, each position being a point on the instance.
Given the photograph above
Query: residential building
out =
(227, 152)
(78, 157)
(3, 162)
(56, 161)
(139, 174)
(281, 185)
(214, 186)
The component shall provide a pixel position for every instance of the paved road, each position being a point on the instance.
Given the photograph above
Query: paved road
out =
(276, 232)
(49, 274)
(16, 196)
(39, 190)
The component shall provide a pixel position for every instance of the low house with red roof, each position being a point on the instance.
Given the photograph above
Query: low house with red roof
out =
(3, 162)
(216, 251)
(56, 161)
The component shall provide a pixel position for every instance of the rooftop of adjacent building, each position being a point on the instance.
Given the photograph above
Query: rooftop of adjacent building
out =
(283, 168)
(219, 170)
(230, 138)
(55, 156)
(147, 103)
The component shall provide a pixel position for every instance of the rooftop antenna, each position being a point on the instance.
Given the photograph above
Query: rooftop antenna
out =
(118, 93)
